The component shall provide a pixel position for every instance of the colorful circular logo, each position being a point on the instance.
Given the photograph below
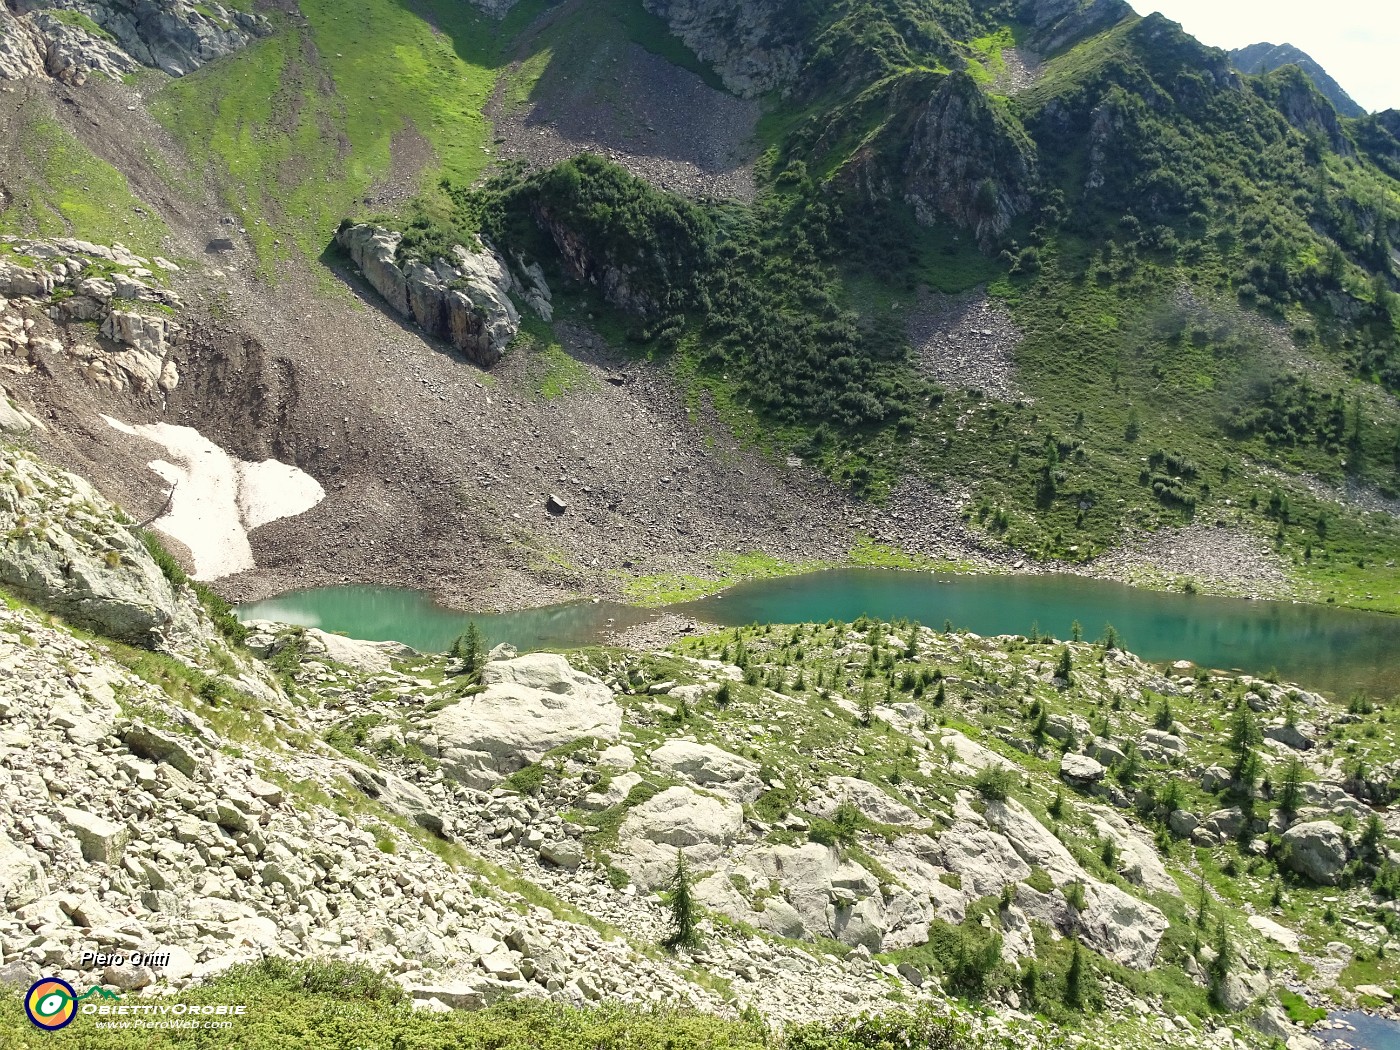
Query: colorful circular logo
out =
(51, 1004)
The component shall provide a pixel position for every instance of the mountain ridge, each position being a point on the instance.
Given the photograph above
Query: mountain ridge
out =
(1265, 58)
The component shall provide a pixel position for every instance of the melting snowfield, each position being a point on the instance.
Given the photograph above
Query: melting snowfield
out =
(219, 498)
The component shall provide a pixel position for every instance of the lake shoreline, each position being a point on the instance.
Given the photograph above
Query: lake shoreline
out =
(1321, 647)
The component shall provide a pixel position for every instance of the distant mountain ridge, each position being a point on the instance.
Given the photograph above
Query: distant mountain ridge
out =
(1265, 58)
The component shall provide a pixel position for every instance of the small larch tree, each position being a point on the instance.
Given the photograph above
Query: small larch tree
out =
(470, 648)
(685, 912)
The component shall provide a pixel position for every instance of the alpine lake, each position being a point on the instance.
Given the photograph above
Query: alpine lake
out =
(1321, 647)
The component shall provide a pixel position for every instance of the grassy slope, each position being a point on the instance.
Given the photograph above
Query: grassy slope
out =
(304, 122)
(67, 191)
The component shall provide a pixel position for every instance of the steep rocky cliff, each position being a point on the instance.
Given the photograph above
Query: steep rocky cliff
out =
(71, 39)
(751, 43)
(949, 152)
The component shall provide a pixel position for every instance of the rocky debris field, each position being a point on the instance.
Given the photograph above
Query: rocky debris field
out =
(662, 123)
(1217, 558)
(966, 343)
(676, 133)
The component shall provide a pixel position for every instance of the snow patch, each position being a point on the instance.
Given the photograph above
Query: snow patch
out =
(218, 498)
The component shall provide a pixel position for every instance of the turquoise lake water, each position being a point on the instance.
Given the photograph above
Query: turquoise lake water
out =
(1321, 647)
(1372, 1033)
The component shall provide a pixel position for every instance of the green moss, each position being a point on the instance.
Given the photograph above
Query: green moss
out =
(65, 190)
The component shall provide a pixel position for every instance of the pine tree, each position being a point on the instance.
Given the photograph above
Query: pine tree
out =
(1219, 969)
(1076, 979)
(1290, 792)
(470, 648)
(1065, 668)
(867, 706)
(685, 913)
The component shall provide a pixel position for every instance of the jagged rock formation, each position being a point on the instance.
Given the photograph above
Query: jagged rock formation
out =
(952, 154)
(46, 287)
(749, 43)
(60, 549)
(71, 39)
(465, 301)
(967, 162)
(1258, 59)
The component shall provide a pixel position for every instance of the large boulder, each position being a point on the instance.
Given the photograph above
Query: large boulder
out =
(370, 657)
(22, 879)
(63, 548)
(1080, 771)
(1121, 927)
(531, 704)
(1316, 850)
(873, 803)
(464, 300)
(710, 767)
(679, 818)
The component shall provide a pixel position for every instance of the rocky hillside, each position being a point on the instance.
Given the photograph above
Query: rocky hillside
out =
(700, 274)
(1265, 58)
(874, 816)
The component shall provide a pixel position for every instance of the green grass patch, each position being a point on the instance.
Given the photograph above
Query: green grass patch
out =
(64, 190)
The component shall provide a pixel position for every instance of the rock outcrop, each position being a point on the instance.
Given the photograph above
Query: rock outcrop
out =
(530, 705)
(1259, 59)
(63, 548)
(679, 818)
(950, 153)
(465, 301)
(709, 767)
(70, 40)
(62, 282)
(749, 43)
(968, 163)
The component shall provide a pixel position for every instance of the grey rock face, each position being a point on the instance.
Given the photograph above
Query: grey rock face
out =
(71, 39)
(464, 300)
(62, 547)
(21, 50)
(749, 42)
(967, 163)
